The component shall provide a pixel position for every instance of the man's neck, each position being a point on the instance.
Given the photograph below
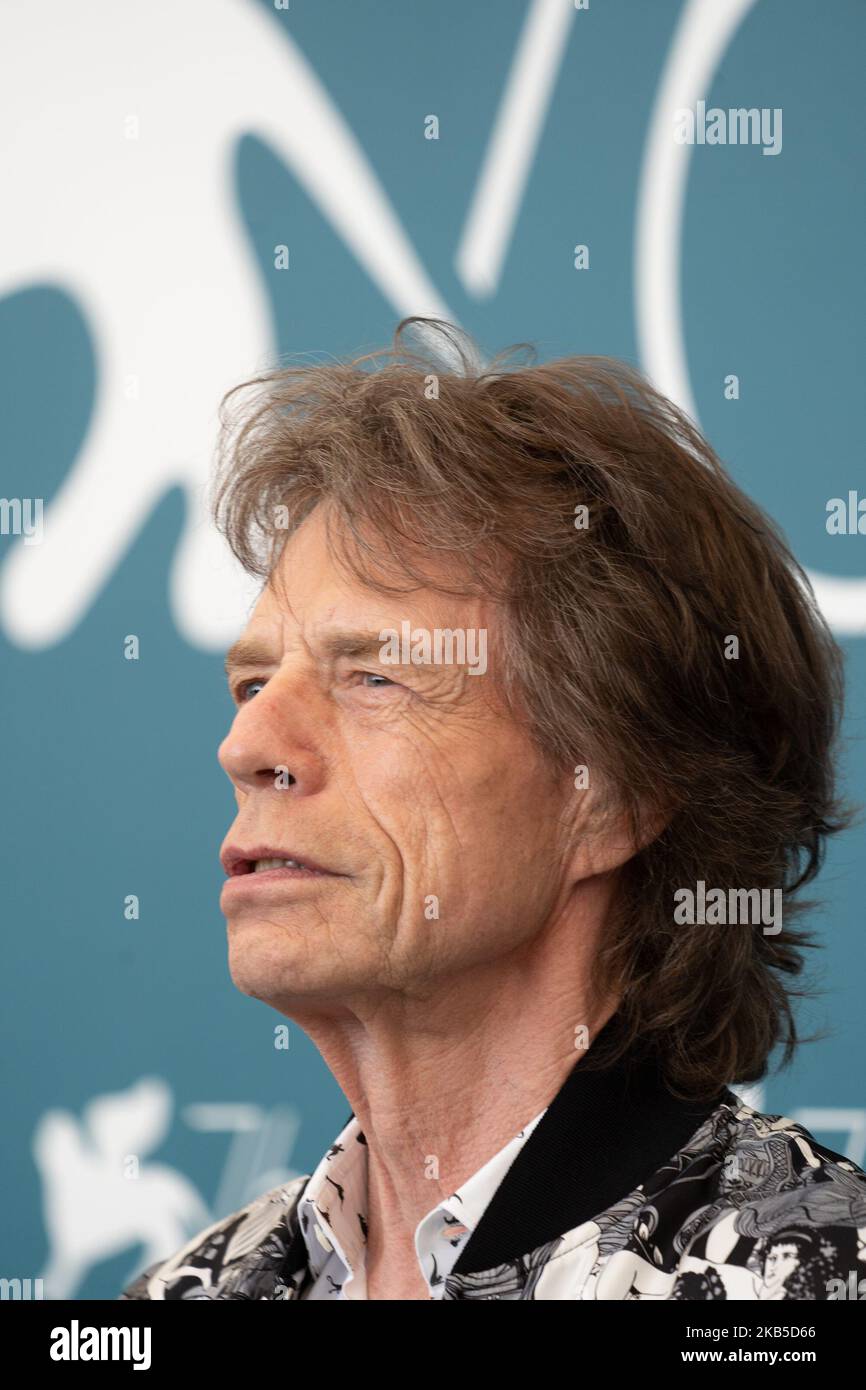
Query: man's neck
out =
(439, 1085)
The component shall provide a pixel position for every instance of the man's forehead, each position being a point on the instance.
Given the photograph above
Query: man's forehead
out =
(284, 610)
(309, 574)
(343, 622)
(310, 599)
(297, 600)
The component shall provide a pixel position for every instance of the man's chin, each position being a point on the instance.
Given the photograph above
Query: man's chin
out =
(273, 966)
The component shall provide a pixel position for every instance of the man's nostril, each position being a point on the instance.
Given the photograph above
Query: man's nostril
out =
(280, 775)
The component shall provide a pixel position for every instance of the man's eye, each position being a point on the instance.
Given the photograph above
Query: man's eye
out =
(243, 688)
(375, 676)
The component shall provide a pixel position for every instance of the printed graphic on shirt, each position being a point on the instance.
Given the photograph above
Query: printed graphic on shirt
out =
(752, 1207)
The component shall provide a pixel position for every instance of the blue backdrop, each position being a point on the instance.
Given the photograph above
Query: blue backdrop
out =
(193, 187)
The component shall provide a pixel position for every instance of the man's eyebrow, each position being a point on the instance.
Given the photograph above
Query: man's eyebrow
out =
(357, 644)
(249, 651)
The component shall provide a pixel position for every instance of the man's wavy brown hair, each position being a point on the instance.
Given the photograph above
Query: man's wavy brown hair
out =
(616, 633)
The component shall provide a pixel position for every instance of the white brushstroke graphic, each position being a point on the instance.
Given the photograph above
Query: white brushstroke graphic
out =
(145, 236)
(702, 37)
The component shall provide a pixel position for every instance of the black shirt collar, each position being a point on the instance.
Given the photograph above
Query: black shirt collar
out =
(604, 1133)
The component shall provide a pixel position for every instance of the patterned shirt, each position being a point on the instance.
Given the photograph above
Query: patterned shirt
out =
(618, 1190)
(333, 1217)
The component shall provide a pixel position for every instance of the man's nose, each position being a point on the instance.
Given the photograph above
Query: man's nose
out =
(271, 745)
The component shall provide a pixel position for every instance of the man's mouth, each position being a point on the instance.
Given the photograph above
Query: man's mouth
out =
(261, 866)
(265, 859)
(295, 867)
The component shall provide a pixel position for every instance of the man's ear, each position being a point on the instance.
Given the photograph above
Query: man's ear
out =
(607, 833)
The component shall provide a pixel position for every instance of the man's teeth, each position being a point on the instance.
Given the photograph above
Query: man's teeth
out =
(262, 865)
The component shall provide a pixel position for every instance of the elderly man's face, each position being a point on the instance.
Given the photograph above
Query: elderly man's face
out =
(444, 836)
